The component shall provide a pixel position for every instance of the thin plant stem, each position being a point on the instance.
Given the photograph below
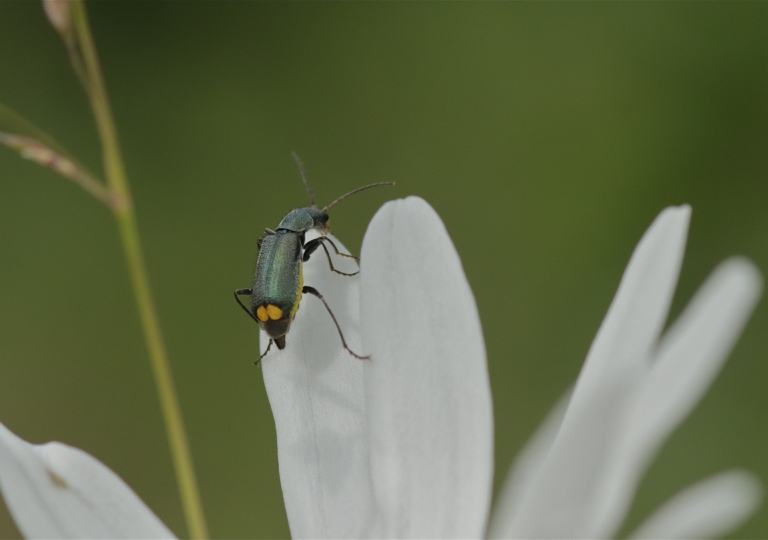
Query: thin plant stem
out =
(124, 213)
(34, 150)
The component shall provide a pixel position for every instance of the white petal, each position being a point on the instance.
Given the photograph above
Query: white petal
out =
(566, 498)
(689, 358)
(315, 389)
(525, 468)
(428, 395)
(695, 348)
(709, 509)
(631, 328)
(56, 491)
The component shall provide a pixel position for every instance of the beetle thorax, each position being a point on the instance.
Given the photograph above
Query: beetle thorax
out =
(303, 219)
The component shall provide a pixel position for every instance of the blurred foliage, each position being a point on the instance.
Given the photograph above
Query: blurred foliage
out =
(547, 136)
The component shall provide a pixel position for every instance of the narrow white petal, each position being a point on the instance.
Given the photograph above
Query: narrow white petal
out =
(315, 389)
(525, 468)
(711, 508)
(634, 321)
(56, 491)
(566, 499)
(428, 396)
(694, 349)
(689, 358)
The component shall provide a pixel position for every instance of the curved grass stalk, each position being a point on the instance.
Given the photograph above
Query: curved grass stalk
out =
(36, 145)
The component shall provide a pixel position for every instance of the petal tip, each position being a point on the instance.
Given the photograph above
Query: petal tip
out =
(748, 482)
(410, 203)
(395, 211)
(679, 214)
(746, 270)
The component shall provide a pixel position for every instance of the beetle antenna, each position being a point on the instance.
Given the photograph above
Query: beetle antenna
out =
(304, 178)
(356, 191)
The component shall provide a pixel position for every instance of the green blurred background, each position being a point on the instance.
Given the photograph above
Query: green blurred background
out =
(547, 135)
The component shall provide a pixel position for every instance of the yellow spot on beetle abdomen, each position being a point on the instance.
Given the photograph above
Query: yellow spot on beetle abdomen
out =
(274, 312)
(270, 311)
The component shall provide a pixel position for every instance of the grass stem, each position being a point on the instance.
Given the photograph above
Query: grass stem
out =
(126, 219)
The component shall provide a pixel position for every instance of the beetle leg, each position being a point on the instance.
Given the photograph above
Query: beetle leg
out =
(243, 292)
(312, 245)
(339, 252)
(258, 360)
(314, 292)
(330, 263)
(269, 232)
(258, 243)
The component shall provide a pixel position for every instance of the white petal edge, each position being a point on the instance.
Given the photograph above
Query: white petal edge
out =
(689, 358)
(56, 491)
(634, 321)
(428, 395)
(711, 508)
(315, 390)
(566, 497)
(527, 464)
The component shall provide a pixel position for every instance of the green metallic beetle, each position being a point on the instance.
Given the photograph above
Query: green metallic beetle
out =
(279, 282)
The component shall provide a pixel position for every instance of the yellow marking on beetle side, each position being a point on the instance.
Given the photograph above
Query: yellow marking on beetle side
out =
(295, 307)
(261, 314)
(274, 312)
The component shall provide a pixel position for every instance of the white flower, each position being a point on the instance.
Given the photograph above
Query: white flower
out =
(56, 491)
(402, 445)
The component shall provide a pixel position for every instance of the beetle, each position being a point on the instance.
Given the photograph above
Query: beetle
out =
(278, 285)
